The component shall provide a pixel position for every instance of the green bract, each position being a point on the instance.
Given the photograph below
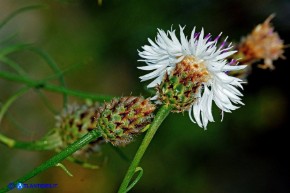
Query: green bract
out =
(122, 118)
(76, 121)
(180, 87)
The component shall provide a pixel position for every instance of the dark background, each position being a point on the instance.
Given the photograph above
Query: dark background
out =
(247, 152)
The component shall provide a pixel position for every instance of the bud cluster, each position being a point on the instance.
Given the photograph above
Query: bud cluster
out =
(119, 121)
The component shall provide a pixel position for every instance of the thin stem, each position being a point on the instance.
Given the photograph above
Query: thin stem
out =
(120, 153)
(92, 135)
(47, 143)
(6, 140)
(160, 116)
(50, 87)
(13, 65)
(54, 67)
(21, 10)
(7, 104)
(82, 163)
(46, 102)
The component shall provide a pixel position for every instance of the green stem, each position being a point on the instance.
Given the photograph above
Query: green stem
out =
(54, 67)
(47, 143)
(53, 88)
(160, 116)
(92, 135)
(7, 104)
(21, 10)
(13, 65)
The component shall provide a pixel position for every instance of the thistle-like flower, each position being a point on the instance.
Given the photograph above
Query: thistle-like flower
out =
(262, 44)
(191, 73)
(123, 118)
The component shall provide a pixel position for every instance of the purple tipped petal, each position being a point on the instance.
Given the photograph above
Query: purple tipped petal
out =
(218, 37)
(233, 62)
(196, 34)
(223, 44)
(207, 36)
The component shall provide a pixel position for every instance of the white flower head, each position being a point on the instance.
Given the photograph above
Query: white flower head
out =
(163, 55)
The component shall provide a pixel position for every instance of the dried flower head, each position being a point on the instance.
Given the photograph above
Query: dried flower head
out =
(191, 73)
(123, 118)
(74, 122)
(262, 43)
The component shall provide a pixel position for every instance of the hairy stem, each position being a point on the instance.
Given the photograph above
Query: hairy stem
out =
(160, 116)
(92, 135)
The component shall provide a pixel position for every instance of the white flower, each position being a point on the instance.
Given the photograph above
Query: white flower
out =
(162, 56)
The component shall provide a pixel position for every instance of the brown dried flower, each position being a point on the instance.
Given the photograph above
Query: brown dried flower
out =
(262, 44)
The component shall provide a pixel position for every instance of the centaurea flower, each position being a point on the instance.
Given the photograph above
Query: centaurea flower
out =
(192, 72)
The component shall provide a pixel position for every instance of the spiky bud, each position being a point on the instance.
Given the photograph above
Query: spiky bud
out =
(74, 122)
(122, 118)
(181, 86)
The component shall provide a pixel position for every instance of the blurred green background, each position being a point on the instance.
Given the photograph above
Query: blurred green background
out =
(97, 45)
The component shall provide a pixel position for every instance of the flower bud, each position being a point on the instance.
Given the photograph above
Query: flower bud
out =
(123, 118)
(74, 122)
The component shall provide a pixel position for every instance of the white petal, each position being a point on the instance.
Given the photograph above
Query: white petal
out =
(196, 113)
(162, 55)
(190, 111)
(200, 42)
(151, 74)
(231, 68)
(152, 67)
(225, 55)
(155, 82)
(154, 97)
